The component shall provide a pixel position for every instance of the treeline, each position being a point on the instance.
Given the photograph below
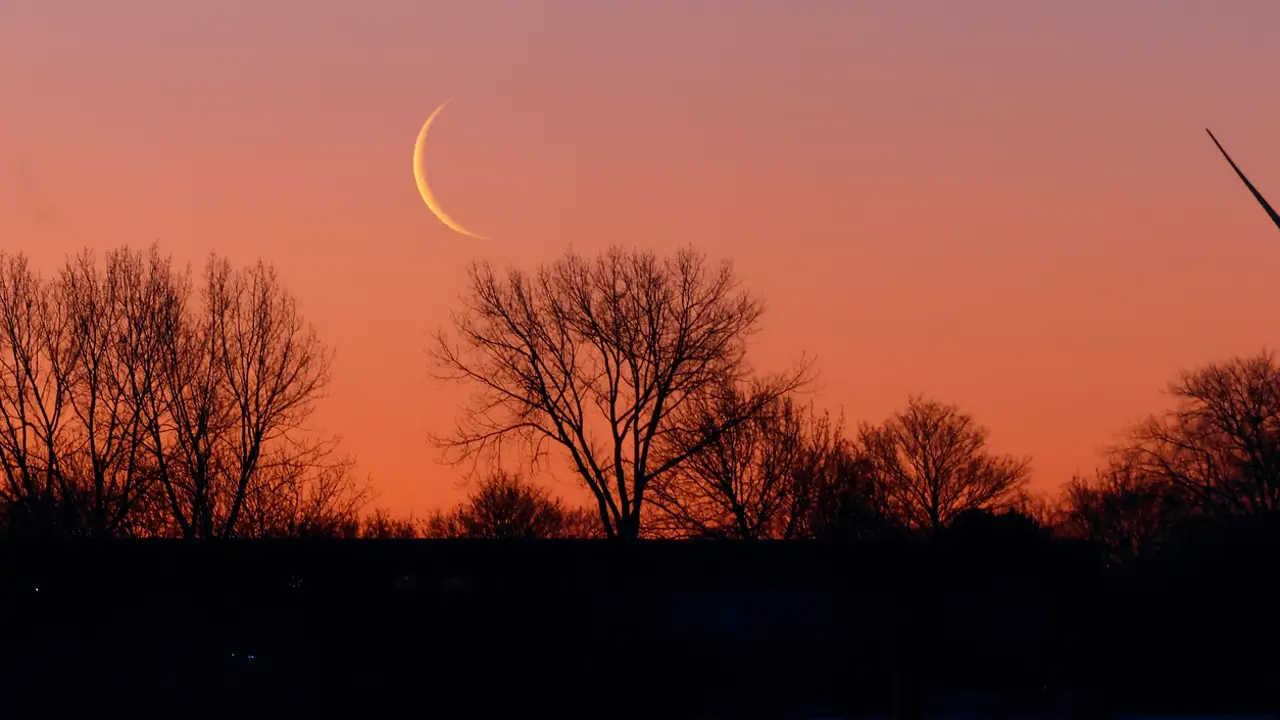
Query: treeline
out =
(1205, 471)
(788, 473)
(1210, 464)
(138, 399)
(633, 367)
(500, 507)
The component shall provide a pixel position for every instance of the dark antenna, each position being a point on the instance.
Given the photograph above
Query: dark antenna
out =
(1263, 201)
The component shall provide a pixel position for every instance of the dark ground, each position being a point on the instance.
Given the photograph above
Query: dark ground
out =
(661, 630)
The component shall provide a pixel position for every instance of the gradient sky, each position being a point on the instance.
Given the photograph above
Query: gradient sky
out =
(1011, 206)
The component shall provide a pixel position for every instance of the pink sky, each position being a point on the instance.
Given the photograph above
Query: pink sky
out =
(1011, 206)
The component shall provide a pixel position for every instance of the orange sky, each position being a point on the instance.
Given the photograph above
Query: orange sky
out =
(1012, 206)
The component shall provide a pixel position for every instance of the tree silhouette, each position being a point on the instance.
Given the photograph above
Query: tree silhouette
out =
(994, 532)
(1121, 509)
(757, 479)
(934, 464)
(33, 401)
(1220, 445)
(598, 356)
(850, 501)
(382, 526)
(308, 491)
(243, 372)
(580, 523)
(503, 506)
(111, 371)
(128, 409)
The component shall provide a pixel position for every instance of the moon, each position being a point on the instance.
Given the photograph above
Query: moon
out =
(420, 176)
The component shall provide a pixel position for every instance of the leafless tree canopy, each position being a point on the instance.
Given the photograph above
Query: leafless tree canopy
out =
(598, 356)
(505, 507)
(33, 404)
(850, 502)
(128, 406)
(1220, 445)
(934, 464)
(381, 525)
(1212, 458)
(757, 479)
(1120, 508)
(244, 374)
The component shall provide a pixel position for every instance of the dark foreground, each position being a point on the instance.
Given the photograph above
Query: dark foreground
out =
(374, 629)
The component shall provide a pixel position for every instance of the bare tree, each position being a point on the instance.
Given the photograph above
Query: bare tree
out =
(580, 523)
(381, 525)
(597, 356)
(34, 350)
(304, 489)
(755, 480)
(128, 409)
(1123, 510)
(850, 502)
(275, 369)
(1042, 508)
(241, 378)
(934, 463)
(504, 506)
(1220, 444)
(442, 525)
(111, 376)
(192, 413)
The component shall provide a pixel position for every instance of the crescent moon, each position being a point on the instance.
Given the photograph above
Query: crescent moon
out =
(420, 176)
